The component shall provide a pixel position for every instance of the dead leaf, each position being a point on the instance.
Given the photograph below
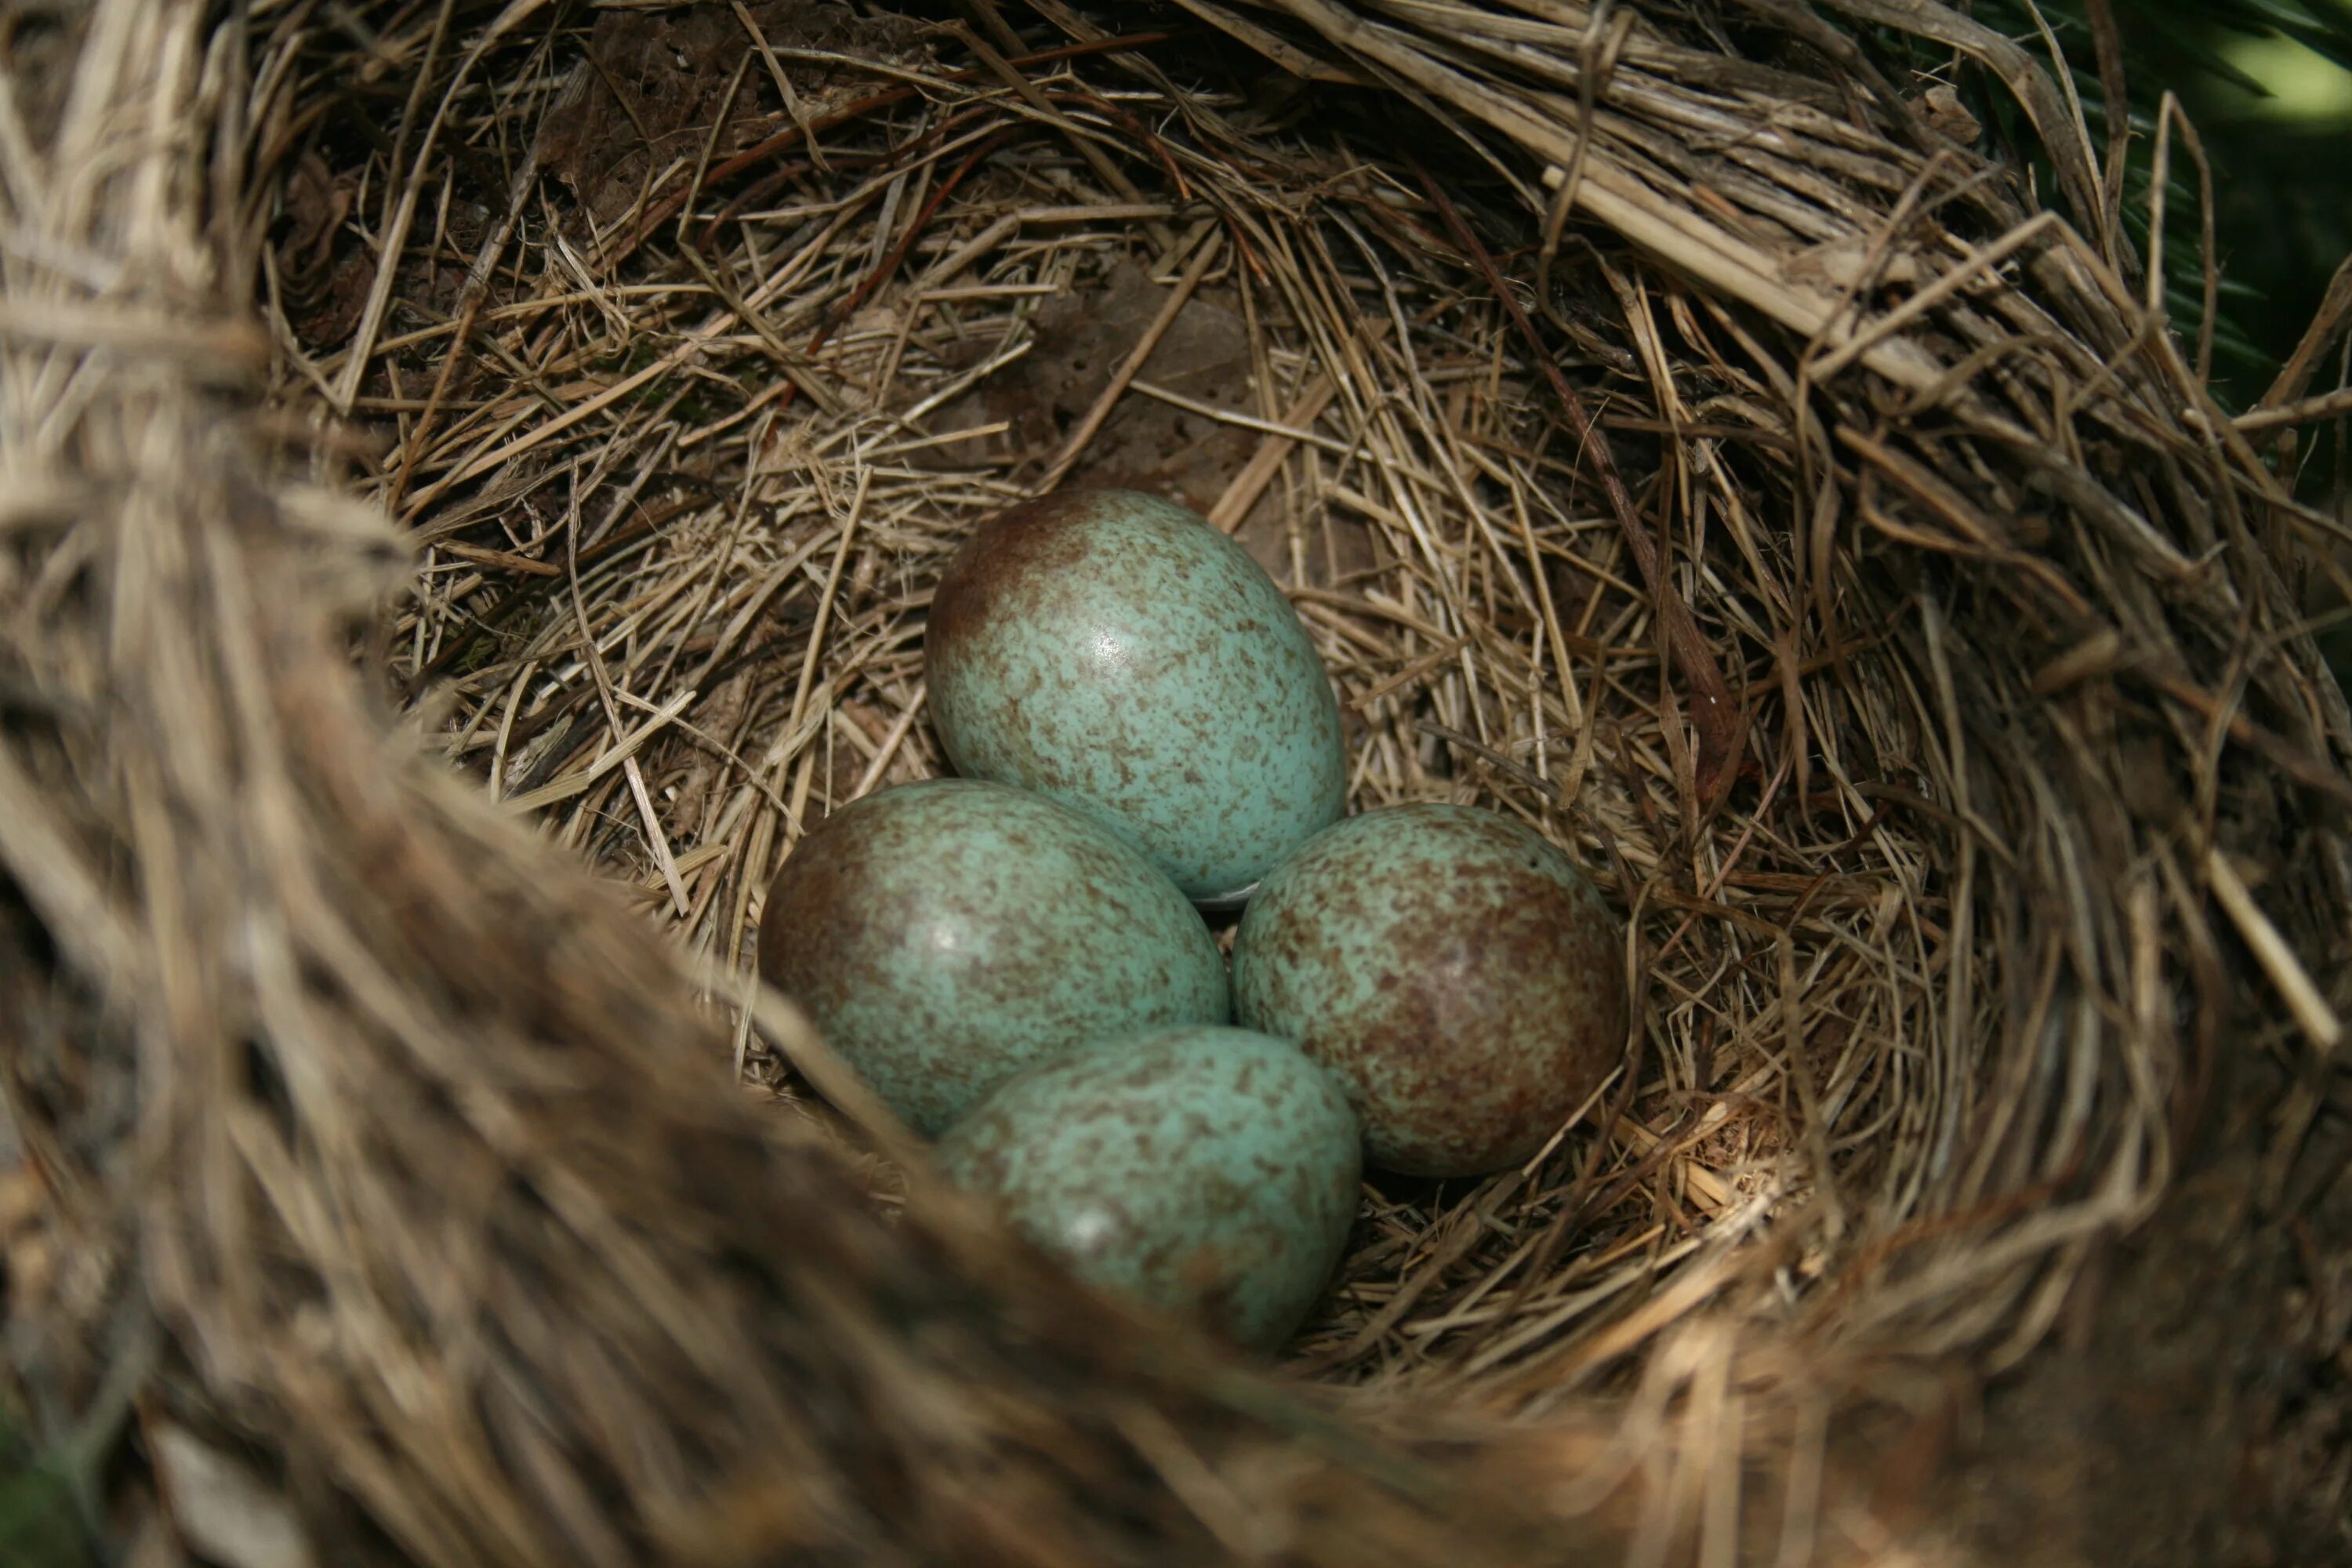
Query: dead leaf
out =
(1147, 442)
(653, 82)
(1942, 109)
(221, 1508)
(323, 295)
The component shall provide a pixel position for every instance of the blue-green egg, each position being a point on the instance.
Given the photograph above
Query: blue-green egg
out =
(1454, 968)
(1210, 1173)
(944, 935)
(1113, 651)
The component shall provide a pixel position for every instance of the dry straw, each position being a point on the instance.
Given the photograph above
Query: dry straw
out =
(1670, 437)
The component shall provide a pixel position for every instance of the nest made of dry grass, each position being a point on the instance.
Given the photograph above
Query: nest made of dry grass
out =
(1669, 435)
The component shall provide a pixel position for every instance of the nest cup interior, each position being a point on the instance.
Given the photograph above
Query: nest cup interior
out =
(680, 616)
(1763, 497)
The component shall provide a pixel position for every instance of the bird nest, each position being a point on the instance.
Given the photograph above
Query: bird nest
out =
(474, 479)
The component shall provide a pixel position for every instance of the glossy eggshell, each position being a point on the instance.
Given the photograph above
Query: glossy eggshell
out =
(1113, 651)
(1211, 1173)
(1455, 971)
(944, 935)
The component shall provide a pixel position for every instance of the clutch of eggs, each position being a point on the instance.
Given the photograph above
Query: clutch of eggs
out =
(1013, 958)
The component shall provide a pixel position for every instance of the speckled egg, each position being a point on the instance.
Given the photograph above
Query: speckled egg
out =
(1206, 1171)
(944, 935)
(1113, 651)
(1455, 971)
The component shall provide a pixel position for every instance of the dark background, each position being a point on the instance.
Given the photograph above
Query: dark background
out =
(2276, 119)
(2268, 85)
(2282, 206)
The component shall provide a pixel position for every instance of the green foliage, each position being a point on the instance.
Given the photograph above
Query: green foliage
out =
(39, 1526)
(40, 1520)
(2281, 227)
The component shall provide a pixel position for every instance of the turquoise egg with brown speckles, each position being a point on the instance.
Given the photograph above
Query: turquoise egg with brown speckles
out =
(1113, 651)
(1454, 968)
(944, 935)
(1211, 1173)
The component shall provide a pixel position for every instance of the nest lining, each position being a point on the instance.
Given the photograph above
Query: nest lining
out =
(1334, 385)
